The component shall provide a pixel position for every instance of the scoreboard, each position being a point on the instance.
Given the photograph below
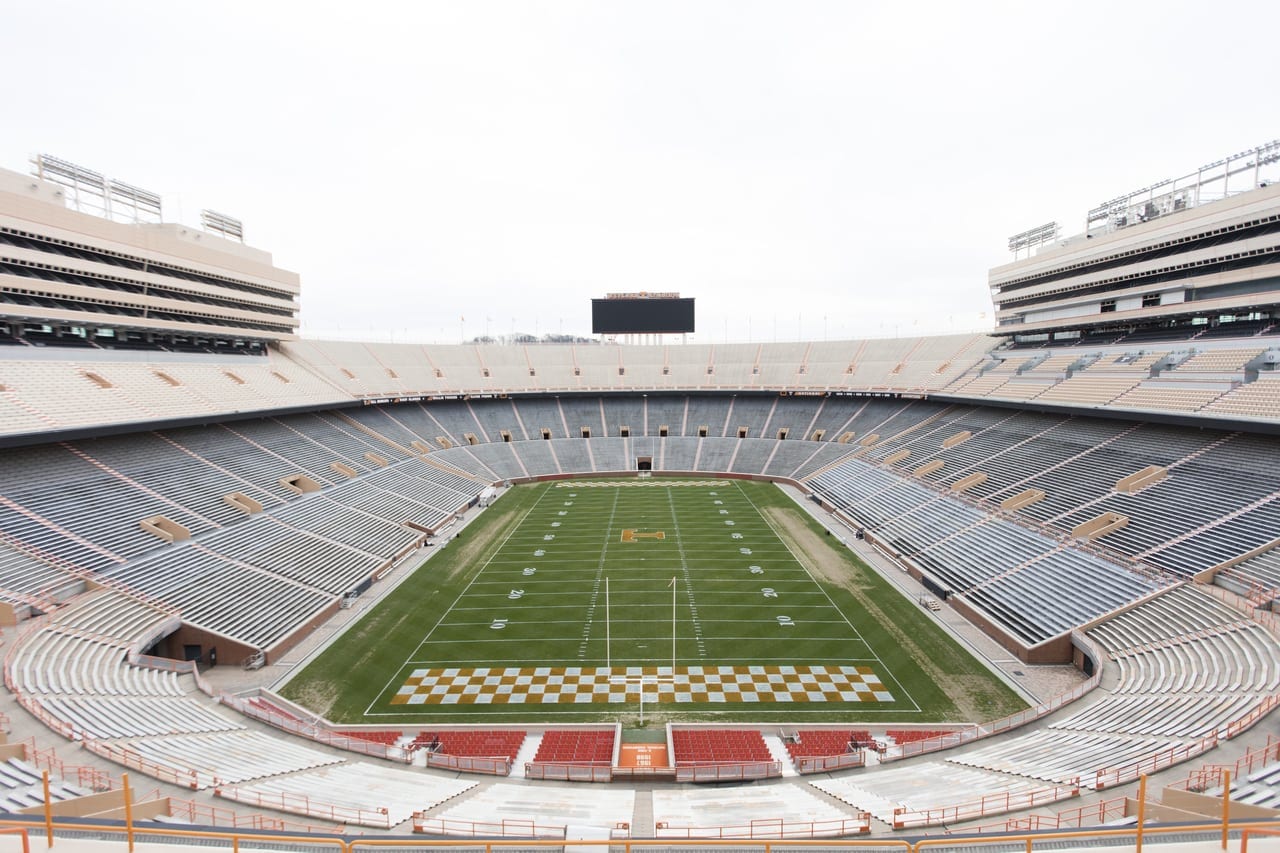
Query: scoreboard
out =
(641, 314)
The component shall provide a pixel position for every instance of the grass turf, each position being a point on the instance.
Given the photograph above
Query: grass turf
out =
(538, 563)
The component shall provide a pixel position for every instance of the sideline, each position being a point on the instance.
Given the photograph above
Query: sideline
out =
(1020, 677)
(276, 675)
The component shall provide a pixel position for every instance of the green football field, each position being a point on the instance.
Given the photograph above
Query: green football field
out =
(568, 601)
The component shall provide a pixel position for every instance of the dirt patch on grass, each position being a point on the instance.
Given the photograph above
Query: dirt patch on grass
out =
(818, 554)
(468, 549)
(316, 696)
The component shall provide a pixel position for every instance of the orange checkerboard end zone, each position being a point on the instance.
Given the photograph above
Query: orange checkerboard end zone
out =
(619, 685)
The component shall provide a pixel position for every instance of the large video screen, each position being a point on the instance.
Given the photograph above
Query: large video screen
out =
(641, 316)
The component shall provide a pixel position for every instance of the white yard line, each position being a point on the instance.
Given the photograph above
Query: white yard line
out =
(883, 669)
(688, 581)
(409, 660)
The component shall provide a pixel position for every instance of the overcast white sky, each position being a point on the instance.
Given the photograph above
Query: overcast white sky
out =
(804, 169)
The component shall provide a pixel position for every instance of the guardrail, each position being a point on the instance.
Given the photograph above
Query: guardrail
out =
(1013, 721)
(568, 772)
(770, 828)
(987, 805)
(129, 758)
(182, 667)
(489, 838)
(316, 732)
(728, 772)
(305, 805)
(1095, 813)
(1110, 776)
(826, 763)
(497, 765)
(477, 829)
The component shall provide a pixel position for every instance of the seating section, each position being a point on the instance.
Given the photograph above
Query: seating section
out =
(1188, 665)
(1167, 396)
(22, 787)
(102, 717)
(1259, 400)
(74, 509)
(94, 388)
(386, 738)
(27, 581)
(359, 793)
(1210, 381)
(81, 651)
(718, 746)
(473, 743)
(817, 743)
(1027, 582)
(1061, 756)
(306, 551)
(1257, 577)
(1218, 361)
(922, 786)
(1259, 788)
(377, 370)
(760, 812)
(207, 760)
(901, 736)
(1217, 501)
(568, 746)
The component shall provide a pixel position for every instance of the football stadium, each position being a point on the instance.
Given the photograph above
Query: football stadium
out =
(301, 560)
(616, 591)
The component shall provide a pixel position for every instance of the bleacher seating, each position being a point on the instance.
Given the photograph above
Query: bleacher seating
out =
(1024, 580)
(572, 746)
(1259, 399)
(901, 736)
(816, 743)
(360, 793)
(387, 737)
(475, 743)
(22, 787)
(1185, 667)
(921, 786)
(1218, 361)
(718, 746)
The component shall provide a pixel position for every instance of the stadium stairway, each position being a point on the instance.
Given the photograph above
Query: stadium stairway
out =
(528, 750)
(778, 750)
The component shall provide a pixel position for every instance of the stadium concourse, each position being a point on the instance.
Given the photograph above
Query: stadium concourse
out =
(241, 502)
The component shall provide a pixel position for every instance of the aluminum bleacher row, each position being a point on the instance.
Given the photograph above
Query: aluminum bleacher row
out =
(75, 510)
(1216, 502)
(21, 787)
(73, 673)
(1231, 378)
(1026, 581)
(309, 549)
(62, 389)
(1173, 698)
(51, 388)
